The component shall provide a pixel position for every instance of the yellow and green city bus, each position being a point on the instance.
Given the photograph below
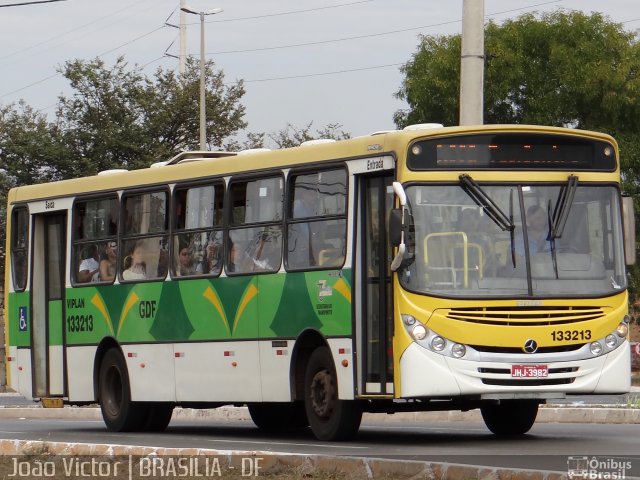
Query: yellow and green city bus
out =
(426, 269)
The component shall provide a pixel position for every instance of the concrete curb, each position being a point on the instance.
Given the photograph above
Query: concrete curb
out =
(277, 463)
(547, 414)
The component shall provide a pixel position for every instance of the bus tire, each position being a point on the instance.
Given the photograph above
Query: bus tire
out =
(278, 416)
(329, 417)
(120, 414)
(158, 416)
(513, 417)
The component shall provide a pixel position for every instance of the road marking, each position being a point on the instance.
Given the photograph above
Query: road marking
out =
(320, 445)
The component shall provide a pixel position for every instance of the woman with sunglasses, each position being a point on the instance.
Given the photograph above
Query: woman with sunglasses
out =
(108, 262)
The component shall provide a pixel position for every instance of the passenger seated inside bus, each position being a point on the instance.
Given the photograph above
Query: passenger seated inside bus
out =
(211, 262)
(108, 262)
(331, 251)
(538, 235)
(89, 266)
(266, 252)
(233, 257)
(184, 261)
(134, 267)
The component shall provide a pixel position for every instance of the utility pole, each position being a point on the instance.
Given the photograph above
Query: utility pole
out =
(472, 63)
(183, 39)
(203, 107)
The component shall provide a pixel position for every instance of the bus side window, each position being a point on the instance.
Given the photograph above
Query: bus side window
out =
(255, 236)
(316, 224)
(19, 247)
(95, 226)
(197, 223)
(145, 237)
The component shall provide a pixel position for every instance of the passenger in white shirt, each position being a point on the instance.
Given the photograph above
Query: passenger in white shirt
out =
(89, 267)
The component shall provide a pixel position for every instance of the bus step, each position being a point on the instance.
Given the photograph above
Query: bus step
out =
(56, 402)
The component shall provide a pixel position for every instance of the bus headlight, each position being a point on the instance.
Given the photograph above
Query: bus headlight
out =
(419, 332)
(622, 330)
(596, 348)
(430, 340)
(408, 319)
(611, 341)
(458, 350)
(438, 343)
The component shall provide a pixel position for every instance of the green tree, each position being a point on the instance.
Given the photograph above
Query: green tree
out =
(117, 117)
(567, 69)
(292, 136)
(31, 149)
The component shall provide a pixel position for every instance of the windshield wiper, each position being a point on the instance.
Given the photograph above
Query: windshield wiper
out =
(483, 200)
(563, 205)
(493, 211)
(552, 239)
(558, 220)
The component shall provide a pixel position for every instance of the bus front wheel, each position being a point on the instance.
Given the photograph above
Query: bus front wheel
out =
(120, 414)
(512, 417)
(329, 417)
(278, 416)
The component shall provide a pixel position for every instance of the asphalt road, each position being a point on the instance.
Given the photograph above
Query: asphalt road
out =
(15, 400)
(546, 447)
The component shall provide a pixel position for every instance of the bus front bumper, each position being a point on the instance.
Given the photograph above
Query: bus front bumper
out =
(424, 373)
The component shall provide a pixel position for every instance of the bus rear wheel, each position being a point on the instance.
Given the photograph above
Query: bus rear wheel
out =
(157, 416)
(512, 417)
(120, 414)
(329, 417)
(278, 416)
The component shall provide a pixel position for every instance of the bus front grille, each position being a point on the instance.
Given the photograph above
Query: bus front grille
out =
(518, 350)
(527, 383)
(525, 316)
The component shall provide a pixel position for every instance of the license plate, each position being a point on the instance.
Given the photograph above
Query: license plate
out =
(529, 371)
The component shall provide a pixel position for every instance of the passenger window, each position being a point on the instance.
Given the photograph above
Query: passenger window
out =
(19, 247)
(197, 242)
(255, 233)
(316, 230)
(95, 231)
(145, 243)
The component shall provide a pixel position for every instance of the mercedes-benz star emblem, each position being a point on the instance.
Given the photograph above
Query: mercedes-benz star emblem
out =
(530, 346)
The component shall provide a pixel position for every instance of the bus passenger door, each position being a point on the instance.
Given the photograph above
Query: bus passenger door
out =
(47, 290)
(374, 301)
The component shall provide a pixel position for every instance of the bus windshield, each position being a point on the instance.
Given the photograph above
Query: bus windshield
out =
(460, 250)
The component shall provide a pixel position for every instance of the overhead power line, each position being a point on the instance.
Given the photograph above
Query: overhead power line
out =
(97, 20)
(370, 35)
(29, 3)
(279, 14)
(336, 72)
(100, 55)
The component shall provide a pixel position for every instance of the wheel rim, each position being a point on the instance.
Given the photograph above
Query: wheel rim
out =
(113, 393)
(322, 394)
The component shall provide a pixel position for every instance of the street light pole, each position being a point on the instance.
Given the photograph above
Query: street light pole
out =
(203, 97)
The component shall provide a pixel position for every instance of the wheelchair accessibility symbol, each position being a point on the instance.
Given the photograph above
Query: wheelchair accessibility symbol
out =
(22, 319)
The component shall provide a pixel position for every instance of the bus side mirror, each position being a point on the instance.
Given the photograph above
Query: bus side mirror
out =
(629, 225)
(402, 198)
(395, 226)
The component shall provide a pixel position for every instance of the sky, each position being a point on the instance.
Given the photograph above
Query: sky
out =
(322, 61)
